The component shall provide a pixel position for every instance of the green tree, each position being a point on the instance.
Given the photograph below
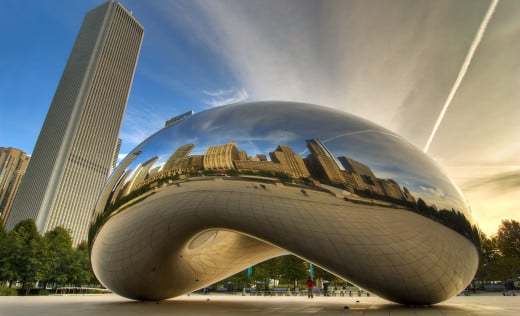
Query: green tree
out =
(508, 244)
(26, 246)
(500, 254)
(237, 281)
(80, 267)
(489, 255)
(508, 238)
(265, 271)
(5, 256)
(3, 232)
(320, 273)
(58, 256)
(292, 270)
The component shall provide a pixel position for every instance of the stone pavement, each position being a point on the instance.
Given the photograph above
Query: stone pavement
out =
(230, 305)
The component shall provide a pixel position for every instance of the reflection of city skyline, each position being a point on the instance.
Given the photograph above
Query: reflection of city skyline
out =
(319, 166)
(355, 180)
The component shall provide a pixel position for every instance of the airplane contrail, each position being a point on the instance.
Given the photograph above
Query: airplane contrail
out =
(463, 69)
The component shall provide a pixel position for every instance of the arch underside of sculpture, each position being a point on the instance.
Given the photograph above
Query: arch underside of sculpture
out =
(183, 238)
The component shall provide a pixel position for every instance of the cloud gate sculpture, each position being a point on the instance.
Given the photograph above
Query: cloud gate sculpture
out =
(217, 192)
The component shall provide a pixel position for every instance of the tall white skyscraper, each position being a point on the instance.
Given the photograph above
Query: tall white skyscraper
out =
(76, 146)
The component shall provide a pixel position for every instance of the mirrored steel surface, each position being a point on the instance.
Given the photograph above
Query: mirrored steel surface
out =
(219, 191)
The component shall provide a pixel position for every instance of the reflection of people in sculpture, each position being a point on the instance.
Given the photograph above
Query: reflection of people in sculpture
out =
(310, 285)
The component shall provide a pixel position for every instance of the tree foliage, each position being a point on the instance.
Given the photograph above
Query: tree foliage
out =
(289, 272)
(58, 254)
(27, 248)
(27, 257)
(500, 254)
(508, 238)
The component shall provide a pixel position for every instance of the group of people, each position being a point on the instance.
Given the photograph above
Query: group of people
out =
(310, 287)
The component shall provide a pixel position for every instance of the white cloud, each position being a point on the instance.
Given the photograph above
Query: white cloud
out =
(224, 97)
(139, 123)
(393, 63)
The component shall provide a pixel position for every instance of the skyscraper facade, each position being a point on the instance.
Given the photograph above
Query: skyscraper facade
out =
(13, 163)
(76, 146)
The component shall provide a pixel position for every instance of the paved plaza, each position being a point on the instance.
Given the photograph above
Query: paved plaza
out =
(230, 305)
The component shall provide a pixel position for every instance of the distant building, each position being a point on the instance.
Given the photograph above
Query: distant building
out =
(13, 163)
(75, 150)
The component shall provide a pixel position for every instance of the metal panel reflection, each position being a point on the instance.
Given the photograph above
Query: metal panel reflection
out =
(219, 191)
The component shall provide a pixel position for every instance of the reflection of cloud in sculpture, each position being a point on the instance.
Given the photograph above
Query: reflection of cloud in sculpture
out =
(437, 192)
(404, 165)
(366, 228)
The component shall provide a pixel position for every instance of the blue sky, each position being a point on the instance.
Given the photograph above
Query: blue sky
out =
(391, 62)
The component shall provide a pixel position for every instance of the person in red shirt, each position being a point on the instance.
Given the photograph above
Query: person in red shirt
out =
(310, 286)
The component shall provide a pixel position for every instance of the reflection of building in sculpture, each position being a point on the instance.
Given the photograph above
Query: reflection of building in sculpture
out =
(291, 162)
(117, 180)
(179, 161)
(242, 155)
(356, 167)
(196, 162)
(116, 153)
(140, 174)
(321, 162)
(13, 163)
(390, 188)
(363, 176)
(258, 165)
(119, 190)
(261, 157)
(221, 157)
(178, 118)
(408, 196)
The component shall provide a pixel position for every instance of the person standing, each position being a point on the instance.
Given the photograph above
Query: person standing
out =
(509, 288)
(310, 286)
(326, 288)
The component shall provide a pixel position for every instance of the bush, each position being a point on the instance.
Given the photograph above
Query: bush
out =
(32, 292)
(7, 291)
